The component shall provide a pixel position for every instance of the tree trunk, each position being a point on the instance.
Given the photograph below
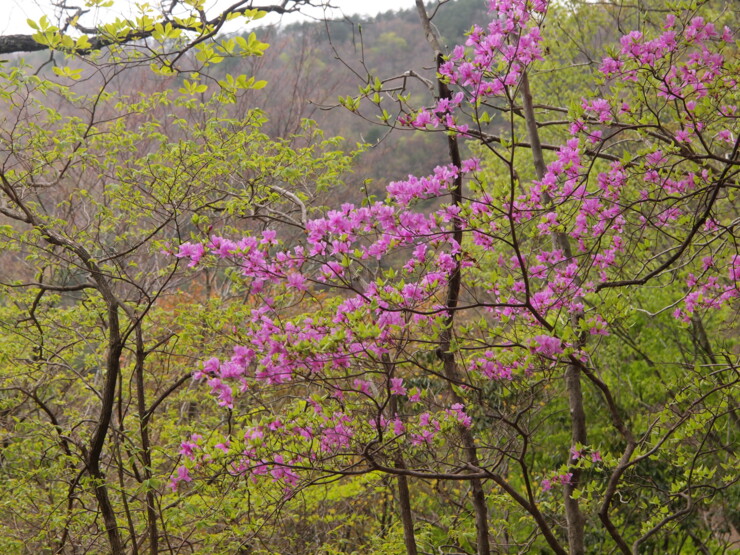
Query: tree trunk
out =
(404, 498)
(453, 297)
(146, 454)
(113, 368)
(404, 495)
(560, 241)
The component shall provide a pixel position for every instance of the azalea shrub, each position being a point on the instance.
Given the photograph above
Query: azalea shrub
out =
(548, 321)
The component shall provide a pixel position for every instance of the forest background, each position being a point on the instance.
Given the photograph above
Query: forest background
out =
(499, 315)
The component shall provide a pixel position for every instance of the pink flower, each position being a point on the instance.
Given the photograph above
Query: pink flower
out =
(225, 446)
(397, 386)
(363, 386)
(210, 368)
(183, 475)
(594, 137)
(253, 434)
(726, 136)
(458, 413)
(269, 237)
(549, 221)
(225, 395)
(222, 247)
(610, 66)
(187, 449)
(735, 268)
(471, 165)
(547, 345)
(296, 281)
(192, 251)
(422, 119)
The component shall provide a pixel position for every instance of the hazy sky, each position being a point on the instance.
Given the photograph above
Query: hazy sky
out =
(14, 21)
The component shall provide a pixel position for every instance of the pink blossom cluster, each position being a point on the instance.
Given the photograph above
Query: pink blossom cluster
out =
(343, 349)
(681, 81)
(561, 479)
(709, 291)
(494, 60)
(492, 367)
(457, 412)
(579, 453)
(183, 475)
(428, 429)
(512, 36)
